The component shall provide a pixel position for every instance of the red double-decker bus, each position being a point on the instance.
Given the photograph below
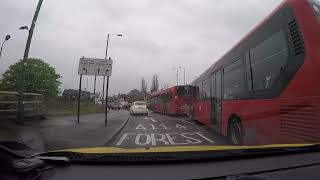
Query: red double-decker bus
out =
(177, 100)
(265, 90)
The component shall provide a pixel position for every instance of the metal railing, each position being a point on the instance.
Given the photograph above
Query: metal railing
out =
(9, 102)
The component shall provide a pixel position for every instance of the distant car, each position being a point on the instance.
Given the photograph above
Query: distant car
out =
(114, 106)
(139, 107)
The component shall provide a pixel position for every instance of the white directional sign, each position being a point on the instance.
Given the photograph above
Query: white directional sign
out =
(96, 67)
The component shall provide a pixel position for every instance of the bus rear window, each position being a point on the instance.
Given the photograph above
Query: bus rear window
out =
(315, 4)
(186, 91)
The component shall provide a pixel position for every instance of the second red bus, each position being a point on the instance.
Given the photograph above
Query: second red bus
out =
(177, 100)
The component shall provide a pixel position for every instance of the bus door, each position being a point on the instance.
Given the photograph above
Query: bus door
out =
(216, 100)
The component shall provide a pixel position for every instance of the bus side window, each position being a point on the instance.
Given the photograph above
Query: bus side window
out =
(162, 98)
(233, 80)
(168, 96)
(197, 92)
(249, 72)
(200, 91)
(268, 60)
(206, 88)
(213, 85)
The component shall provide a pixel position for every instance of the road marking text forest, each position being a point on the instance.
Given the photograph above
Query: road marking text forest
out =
(173, 139)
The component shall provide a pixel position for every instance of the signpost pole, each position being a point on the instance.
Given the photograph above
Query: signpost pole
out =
(79, 97)
(104, 82)
(106, 112)
(94, 88)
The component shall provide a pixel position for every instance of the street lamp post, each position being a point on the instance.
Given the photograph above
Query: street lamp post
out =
(5, 40)
(184, 74)
(177, 74)
(21, 89)
(104, 78)
(94, 88)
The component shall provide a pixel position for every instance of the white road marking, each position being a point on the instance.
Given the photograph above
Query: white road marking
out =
(153, 127)
(180, 126)
(147, 139)
(124, 136)
(184, 120)
(189, 139)
(140, 126)
(199, 133)
(156, 127)
(164, 127)
(173, 136)
(161, 139)
(151, 119)
(173, 139)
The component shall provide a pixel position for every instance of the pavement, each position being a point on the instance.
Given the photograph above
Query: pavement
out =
(158, 130)
(56, 133)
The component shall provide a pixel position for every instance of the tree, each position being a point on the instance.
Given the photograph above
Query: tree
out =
(134, 92)
(143, 86)
(134, 95)
(155, 83)
(40, 78)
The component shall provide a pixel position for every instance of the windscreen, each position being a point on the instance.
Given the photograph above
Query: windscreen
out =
(144, 74)
(186, 91)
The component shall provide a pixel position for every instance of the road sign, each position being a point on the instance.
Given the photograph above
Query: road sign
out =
(95, 67)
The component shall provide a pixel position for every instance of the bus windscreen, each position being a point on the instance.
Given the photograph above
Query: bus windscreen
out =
(186, 91)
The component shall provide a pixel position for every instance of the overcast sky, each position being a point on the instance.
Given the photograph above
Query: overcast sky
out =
(157, 35)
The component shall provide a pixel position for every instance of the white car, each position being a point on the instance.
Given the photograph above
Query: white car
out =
(139, 107)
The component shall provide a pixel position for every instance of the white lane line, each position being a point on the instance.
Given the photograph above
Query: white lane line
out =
(184, 120)
(151, 119)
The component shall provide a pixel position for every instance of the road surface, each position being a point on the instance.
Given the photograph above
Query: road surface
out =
(157, 130)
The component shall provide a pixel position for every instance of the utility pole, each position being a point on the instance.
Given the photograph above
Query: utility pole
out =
(177, 74)
(107, 88)
(106, 110)
(184, 74)
(20, 114)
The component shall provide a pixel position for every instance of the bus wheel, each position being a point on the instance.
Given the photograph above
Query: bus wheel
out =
(235, 133)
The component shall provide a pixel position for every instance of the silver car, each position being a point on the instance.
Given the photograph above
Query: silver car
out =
(139, 107)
